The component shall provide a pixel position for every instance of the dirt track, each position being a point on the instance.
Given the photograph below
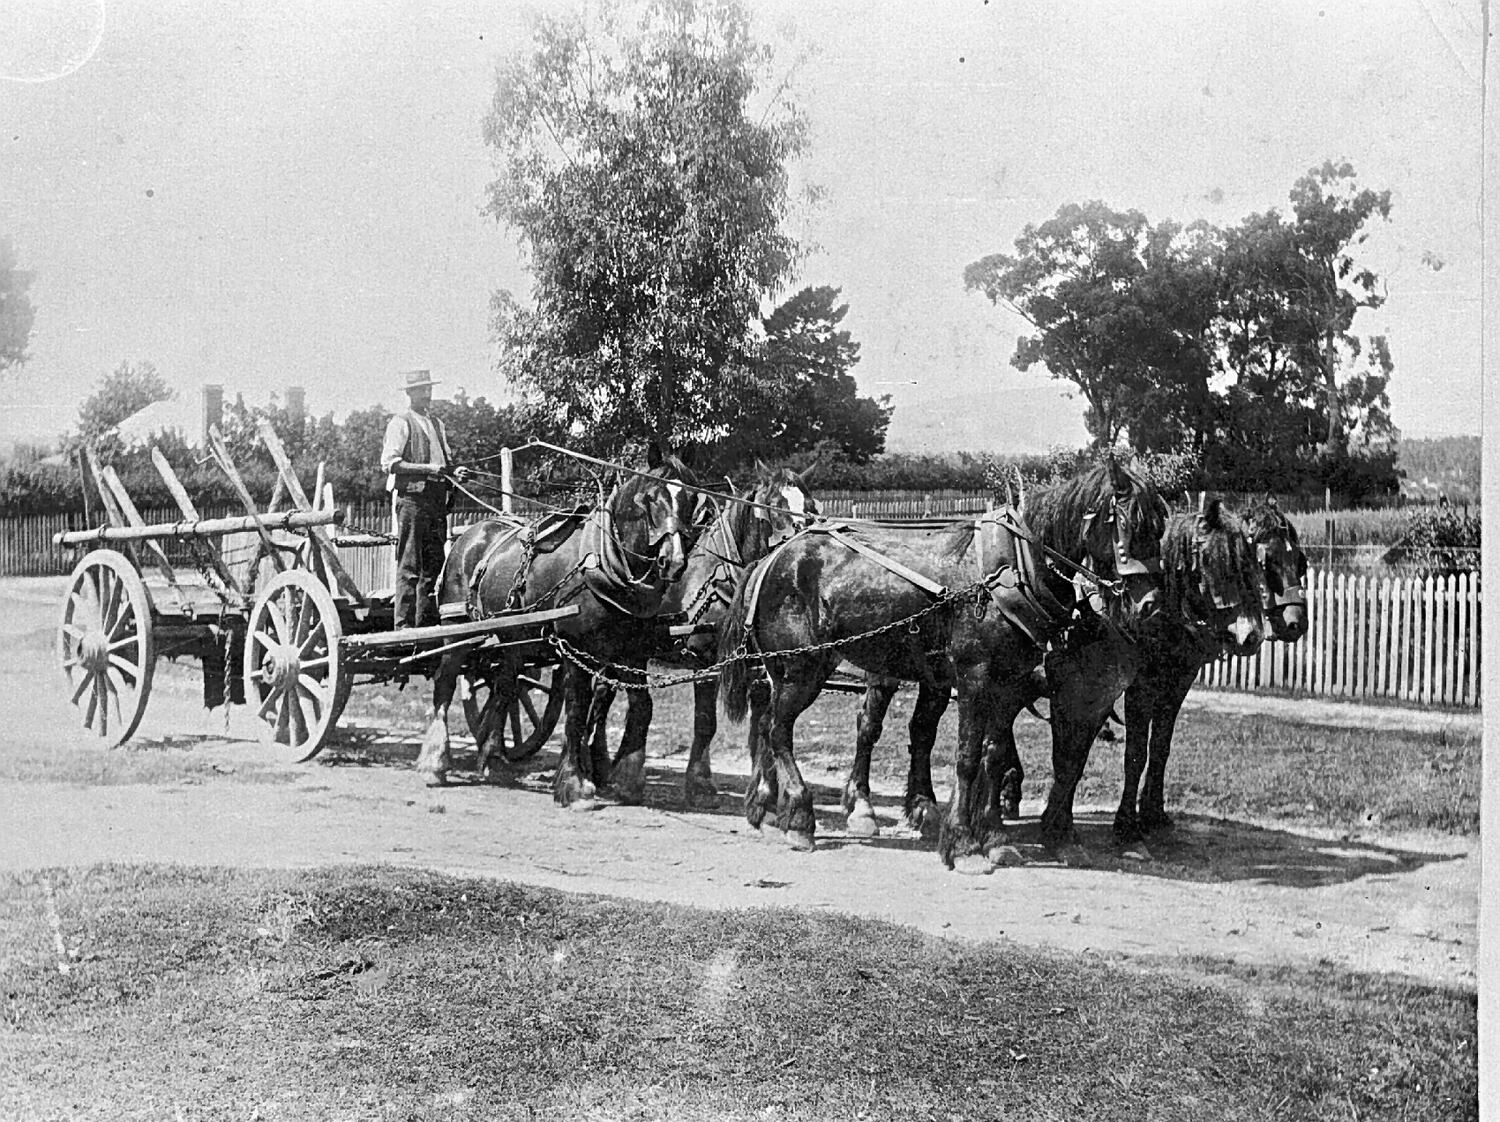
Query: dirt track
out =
(1224, 888)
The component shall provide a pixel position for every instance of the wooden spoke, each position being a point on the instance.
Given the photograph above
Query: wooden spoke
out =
(294, 664)
(530, 717)
(105, 645)
(530, 707)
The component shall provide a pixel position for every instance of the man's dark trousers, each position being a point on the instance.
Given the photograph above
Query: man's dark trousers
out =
(421, 525)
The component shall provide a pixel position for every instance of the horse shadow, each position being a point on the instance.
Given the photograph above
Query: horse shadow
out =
(1196, 848)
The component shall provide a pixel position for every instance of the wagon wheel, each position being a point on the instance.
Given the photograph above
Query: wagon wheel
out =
(294, 666)
(105, 644)
(530, 717)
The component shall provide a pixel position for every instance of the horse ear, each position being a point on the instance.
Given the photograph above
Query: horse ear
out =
(807, 473)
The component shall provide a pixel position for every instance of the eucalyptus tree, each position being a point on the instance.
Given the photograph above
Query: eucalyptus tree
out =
(643, 156)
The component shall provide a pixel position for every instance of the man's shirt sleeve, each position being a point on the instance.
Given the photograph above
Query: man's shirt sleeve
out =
(395, 443)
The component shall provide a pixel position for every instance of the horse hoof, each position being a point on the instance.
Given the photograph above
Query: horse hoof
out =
(571, 794)
(973, 865)
(629, 780)
(1004, 856)
(800, 840)
(435, 779)
(863, 826)
(700, 794)
(582, 805)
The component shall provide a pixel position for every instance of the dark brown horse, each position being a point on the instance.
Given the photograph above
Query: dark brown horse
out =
(1214, 590)
(745, 529)
(617, 562)
(970, 604)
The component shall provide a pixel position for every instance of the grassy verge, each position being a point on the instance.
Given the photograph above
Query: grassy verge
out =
(142, 993)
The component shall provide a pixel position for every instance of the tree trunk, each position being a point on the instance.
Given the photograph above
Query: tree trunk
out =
(1335, 442)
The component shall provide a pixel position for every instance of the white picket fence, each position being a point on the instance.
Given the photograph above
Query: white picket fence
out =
(1408, 639)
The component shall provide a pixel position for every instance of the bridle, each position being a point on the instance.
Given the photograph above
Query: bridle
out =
(1266, 550)
(1125, 564)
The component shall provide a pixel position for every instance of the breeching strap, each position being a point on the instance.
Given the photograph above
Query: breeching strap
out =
(925, 583)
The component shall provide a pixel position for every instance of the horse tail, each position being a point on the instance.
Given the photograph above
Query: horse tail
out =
(734, 674)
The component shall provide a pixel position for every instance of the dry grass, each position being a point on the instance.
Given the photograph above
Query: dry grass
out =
(371, 993)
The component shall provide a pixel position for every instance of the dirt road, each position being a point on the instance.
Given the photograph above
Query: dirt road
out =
(1256, 893)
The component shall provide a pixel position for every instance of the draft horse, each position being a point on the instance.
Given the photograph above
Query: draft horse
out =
(745, 529)
(968, 605)
(617, 562)
(1214, 596)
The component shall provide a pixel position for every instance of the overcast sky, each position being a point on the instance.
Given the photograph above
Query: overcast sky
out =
(289, 193)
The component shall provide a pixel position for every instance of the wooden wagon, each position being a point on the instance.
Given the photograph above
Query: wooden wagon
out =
(271, 616)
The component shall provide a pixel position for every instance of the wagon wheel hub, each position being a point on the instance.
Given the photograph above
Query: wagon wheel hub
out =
(93, 649)
(280, 666)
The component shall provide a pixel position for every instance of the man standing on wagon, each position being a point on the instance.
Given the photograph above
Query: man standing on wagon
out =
(417, 464)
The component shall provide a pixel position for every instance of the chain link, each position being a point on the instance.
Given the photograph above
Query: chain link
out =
(599, 669)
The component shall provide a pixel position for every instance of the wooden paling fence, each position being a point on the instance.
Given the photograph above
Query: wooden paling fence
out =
(1412, 639)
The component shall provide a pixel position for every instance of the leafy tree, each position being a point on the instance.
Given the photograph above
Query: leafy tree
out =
(649, 200)
(1235, 346)
(1101, 322)
(1332, 213)
(806, 398)
(121, 394)
(16, 311)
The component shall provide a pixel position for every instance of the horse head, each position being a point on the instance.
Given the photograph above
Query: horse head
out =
(1283, 567)
(779, 504)
(1212, 579)
(656, 516)
(1121, 526)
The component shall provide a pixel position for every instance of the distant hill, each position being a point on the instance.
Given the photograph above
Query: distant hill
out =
(1440, 466)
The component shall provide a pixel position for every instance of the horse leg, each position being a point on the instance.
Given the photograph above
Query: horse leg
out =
(1140, 704)
(794, 689)
(965, 829)
(1023, 695)
(858, 809)
(601, 699)
(628, 776)
(491, 736)
(698, 790)
(573, 787)
(1164, 722)
(436, 759)
(762, 792)
(1086, 684)
(920, 806)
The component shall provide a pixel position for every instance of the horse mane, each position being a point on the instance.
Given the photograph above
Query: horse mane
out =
(1213, 543)
(1264, 518)
(1057, 513)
